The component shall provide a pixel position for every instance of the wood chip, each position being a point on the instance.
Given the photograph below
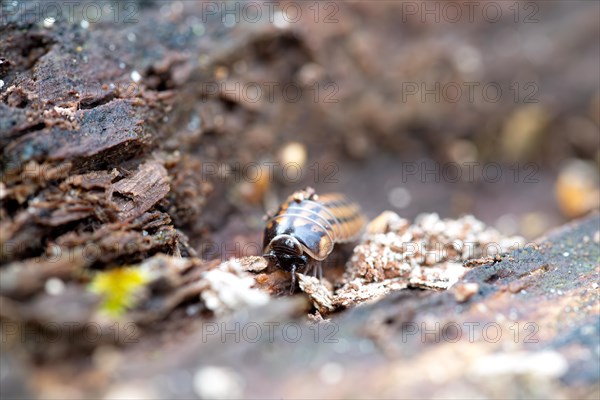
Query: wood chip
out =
(141, 190)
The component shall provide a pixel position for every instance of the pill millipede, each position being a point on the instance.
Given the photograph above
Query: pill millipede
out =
(306, 228)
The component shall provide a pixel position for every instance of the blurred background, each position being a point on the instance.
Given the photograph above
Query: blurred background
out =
(490, 108)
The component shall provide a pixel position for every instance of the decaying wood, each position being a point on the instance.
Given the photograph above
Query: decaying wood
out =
(526, 325)
(141, 191)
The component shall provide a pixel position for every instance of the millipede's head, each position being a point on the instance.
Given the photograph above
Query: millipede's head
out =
(286, 244)
(286, 252)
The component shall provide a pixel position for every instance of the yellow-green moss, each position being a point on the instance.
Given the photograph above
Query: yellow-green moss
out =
(118, 287)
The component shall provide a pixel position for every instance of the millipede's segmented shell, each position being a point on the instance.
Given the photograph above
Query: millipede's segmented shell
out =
(317, 221)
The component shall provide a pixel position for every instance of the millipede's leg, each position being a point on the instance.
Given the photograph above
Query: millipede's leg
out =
(293, 272)
(320, 267)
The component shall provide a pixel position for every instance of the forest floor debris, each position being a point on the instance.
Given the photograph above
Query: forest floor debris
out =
(395, 254)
